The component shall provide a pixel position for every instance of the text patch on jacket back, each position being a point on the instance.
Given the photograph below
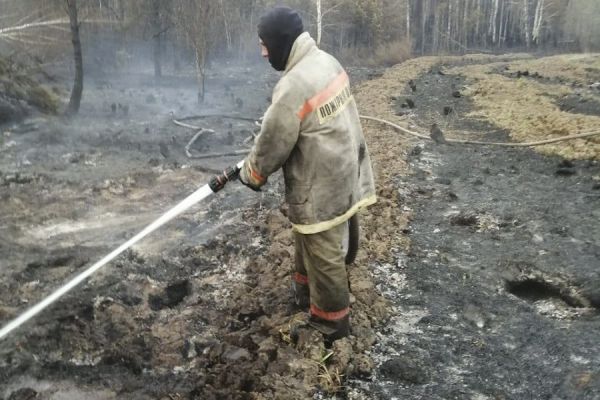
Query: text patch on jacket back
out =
(329, 102)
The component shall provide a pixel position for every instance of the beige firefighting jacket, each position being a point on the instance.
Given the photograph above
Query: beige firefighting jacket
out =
(313, 131)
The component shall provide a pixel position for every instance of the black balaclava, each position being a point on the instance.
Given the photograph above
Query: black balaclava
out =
(278, 30)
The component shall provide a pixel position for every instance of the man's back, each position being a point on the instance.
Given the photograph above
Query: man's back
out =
(328, 171)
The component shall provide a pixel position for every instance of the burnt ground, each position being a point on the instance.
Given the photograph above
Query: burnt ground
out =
(501, 291)
(200, 309)
(496, 296)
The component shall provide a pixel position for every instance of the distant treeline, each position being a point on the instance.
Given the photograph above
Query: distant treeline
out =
(173, 32)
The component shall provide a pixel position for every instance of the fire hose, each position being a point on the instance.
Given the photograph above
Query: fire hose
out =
(216, 183)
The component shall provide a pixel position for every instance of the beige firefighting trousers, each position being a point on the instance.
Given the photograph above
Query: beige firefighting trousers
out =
(320, 265)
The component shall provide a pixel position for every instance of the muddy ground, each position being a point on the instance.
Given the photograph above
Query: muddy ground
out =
(490, 291)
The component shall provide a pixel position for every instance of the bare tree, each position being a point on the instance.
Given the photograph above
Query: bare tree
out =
(77, 91)
(319, 23)
(437, 25)
(537, 22)
(581, 23)
(194, 17)
(408, 17)
(465, 25)
(322, 12)
(157, 38)
(449, 24)
(214, 28)
(502, 27)
(526, 17)
(478, 19)
(228, 39)
(494, 20)
(35, 27)
(424, 18)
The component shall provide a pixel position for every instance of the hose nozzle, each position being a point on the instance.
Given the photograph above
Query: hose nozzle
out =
(218, 182)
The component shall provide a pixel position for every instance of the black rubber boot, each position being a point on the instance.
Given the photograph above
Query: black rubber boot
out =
(331, 330)
(301, 295)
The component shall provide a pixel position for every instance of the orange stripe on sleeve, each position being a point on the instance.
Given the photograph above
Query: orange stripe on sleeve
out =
(320, 98)
(256, 175)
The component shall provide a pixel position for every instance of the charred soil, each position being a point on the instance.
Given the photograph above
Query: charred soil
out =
(499, 291)
(477, 276)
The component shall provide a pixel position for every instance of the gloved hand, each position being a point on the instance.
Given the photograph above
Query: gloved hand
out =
(248, 179)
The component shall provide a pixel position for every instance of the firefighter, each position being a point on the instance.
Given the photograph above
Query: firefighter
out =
(312, 130)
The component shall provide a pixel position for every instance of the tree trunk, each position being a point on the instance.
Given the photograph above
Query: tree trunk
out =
(408, 15)
(502, 24)
(319, 23)
(494, 26)
(537, 24)
(121, 12)
(77, 91)
(436, 29)
(507, 21)
(156, 38)
(424, 13)
(200, 73)
(228, 40)
(449, 26)
(478, 22)
(526, 23)
(465, 25)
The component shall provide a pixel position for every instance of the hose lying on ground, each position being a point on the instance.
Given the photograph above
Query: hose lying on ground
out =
(202, 131)
(412, 133)
(509, 144)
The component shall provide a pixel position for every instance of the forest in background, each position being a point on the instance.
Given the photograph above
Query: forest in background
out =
(172, 34)
(347, 27)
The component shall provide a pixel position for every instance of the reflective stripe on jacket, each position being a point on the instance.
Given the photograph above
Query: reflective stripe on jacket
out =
(313, 131)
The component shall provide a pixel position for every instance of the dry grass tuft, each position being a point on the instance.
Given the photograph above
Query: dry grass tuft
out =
(577, 68)
(527, 108)
(331, 378)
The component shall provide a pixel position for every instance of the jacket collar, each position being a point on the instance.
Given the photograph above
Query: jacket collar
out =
(302, 45)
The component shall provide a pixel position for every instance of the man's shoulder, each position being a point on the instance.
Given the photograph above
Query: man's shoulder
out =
(309, 76)
(291, 90)
(313, 68)
(318, 58)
